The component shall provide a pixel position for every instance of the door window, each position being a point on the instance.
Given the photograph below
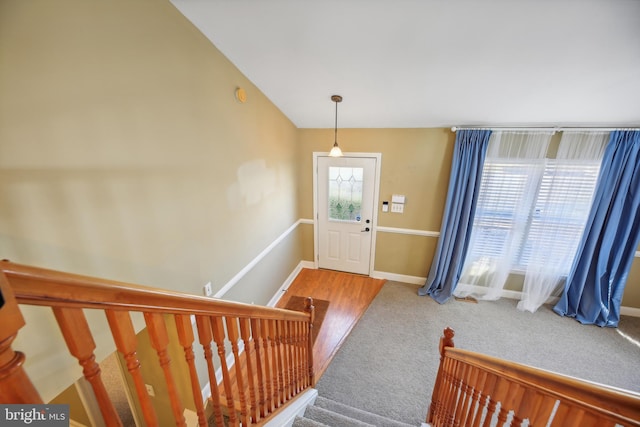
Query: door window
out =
(345, 193)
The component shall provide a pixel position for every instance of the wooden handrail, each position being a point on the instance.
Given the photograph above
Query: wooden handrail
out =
(470, 382)
(271, 348)
(74, 290)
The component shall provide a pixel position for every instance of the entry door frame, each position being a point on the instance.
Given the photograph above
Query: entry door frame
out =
(376, 198)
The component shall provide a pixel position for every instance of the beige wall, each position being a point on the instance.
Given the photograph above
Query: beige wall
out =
(124, 155)
(416, 163)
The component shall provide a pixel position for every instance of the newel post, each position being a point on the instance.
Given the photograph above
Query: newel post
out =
(445, 341)
(15, 385)
(309, 308)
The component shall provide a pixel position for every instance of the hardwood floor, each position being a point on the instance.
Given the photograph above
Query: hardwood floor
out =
(349, 295)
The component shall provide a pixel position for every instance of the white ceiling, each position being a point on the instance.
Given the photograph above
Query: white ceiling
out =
(432, 63)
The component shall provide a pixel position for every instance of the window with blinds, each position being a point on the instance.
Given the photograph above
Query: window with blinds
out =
(522, 204)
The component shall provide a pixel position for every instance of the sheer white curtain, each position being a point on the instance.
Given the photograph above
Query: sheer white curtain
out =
(531, 213)
(558, 220)
(512, 171)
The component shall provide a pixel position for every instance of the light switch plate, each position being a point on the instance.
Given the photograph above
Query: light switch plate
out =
(397, 207)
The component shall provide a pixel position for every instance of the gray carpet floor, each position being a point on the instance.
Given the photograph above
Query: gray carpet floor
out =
(389, 362)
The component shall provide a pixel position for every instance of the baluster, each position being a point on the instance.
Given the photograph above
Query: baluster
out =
(292, 364)
(451, 390)
(304, 344)
(445, 341)
(444, 388)
(268, 374)
(186, 338)
(245, 333)
(531, 400)
(543, 412)
(159, 338)
(310, 308)
(218, 335)
(285, 360)
(561, 417)
(476, 404)
(470, 394)
(261, 358)
(593, 420)
(232, 331)
(277, 363)
(15, 385)
(204, 336)
(501, 393)
(514, 401)
(471, 373)
(295, 347)
(77, 335)
(491, 402)
(125, 339)
(461, 412)
(571, 417)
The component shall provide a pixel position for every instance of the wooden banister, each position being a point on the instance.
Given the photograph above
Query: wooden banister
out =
(15, 385)
(474, 389)
(38, 286)
(270, 364)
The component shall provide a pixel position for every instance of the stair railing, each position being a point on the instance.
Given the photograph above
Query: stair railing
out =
(473, 389)
(275, 365)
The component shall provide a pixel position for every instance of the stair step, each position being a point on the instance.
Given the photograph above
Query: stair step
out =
(307, 422)
(358, 414)
(331, 418)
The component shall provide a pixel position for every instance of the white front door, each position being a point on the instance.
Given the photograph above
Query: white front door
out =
(346, 188)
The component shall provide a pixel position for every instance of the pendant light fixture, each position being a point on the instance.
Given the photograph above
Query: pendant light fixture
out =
(336, 151)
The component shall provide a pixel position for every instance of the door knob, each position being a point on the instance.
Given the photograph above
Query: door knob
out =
(365, 230)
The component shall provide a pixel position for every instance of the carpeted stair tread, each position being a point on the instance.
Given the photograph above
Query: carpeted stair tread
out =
(331, 418)
(307, 422)
(358, 414)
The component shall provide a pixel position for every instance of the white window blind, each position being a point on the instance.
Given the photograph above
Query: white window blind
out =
(549, 217)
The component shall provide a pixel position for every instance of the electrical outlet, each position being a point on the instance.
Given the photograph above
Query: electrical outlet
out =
(150, 390)
(207, 289)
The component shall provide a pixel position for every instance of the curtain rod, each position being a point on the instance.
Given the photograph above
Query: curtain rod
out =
(548, 129)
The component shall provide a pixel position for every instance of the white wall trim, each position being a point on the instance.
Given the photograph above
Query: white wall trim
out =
(231, 283)
(414, 280)
(409, 231)
(296, 408)
(630, 311)
(302, 264)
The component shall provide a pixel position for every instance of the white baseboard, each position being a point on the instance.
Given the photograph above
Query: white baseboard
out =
(630, 311)
(302, 264)
(296, 408)
(414, 280)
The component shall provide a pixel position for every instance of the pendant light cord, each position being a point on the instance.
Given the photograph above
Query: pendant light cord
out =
(335, 138)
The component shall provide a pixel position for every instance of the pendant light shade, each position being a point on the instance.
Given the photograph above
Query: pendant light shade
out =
(336, 151)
